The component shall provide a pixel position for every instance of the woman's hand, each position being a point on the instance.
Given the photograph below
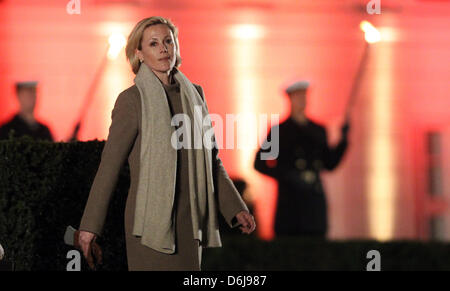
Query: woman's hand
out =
(85, 241)
(246, 221)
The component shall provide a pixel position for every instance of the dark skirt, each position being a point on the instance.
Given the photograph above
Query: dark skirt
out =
(187, 256)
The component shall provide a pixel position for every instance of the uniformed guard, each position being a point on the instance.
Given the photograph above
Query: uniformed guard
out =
(24, 122)
(303, 153)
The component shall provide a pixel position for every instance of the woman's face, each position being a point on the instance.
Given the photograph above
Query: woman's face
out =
(158, 48)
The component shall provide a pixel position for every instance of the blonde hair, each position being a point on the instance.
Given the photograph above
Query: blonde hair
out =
(135, 40)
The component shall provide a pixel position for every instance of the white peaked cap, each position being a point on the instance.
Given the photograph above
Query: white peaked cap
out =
(300, 85)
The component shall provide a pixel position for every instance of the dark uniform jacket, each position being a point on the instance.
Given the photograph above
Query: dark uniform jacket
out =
(303, 153)
(21, 128)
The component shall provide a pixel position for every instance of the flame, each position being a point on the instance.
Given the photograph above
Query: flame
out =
(371, 34)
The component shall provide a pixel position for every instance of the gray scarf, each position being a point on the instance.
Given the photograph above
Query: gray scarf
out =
(154, 217)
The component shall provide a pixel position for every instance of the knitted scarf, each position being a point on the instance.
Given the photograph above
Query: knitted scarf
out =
(154, 219)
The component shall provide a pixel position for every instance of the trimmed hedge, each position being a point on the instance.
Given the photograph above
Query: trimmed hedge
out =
(301, 254)
(44, 187)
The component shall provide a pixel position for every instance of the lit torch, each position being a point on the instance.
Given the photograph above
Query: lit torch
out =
(371, 35)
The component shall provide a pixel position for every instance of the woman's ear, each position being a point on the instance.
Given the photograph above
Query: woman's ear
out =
(138, 54)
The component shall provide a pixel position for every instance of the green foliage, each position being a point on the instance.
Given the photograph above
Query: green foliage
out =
(302, 254)
(44, 187)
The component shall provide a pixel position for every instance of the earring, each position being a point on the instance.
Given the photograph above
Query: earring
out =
(141, 60)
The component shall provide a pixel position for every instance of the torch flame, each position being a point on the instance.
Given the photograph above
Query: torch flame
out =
(371, 34)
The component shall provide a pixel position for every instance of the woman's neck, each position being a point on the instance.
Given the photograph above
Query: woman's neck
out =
(164, 77)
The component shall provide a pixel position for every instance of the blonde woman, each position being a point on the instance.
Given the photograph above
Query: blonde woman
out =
(175, 191)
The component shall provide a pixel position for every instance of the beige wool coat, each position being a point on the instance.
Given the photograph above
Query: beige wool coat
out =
(123, 143)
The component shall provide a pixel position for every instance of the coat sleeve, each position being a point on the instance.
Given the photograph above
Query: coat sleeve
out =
(269, 167)
(121, 137)
(333, 155)
(230, 201)
(47, 134)
(4, 130)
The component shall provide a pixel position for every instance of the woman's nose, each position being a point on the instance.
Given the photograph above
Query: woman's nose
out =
(164, 48)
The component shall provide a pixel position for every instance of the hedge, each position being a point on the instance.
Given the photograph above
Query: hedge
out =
(44, 187)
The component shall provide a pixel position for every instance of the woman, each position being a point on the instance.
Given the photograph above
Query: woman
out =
(171, 209)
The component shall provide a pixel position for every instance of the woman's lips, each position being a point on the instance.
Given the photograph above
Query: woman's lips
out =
(165, 59)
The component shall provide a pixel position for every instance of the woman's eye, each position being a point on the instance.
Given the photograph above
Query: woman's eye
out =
(169, 41)
(153, 43)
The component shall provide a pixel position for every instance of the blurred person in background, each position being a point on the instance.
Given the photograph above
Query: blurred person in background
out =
(24, 123)
(303, 153)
